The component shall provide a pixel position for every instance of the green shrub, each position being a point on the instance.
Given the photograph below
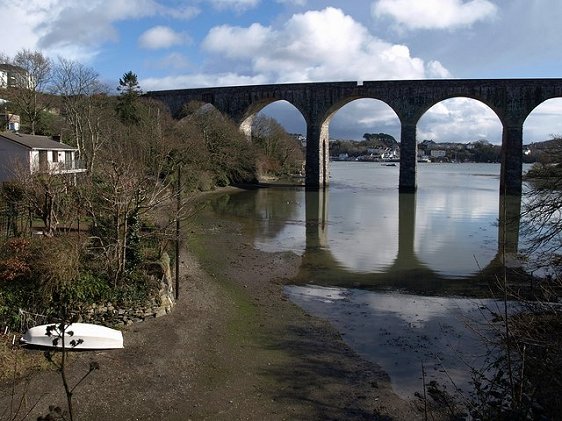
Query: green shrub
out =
(136, 289)
(87, 289)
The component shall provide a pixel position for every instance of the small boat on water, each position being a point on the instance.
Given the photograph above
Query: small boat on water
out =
(77, 336)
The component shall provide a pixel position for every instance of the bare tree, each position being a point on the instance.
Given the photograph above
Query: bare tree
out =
(229, 156)
(279, 152)
(131, 180)
(85, 107)
(542, 210)
(50, 196)
(29, 96)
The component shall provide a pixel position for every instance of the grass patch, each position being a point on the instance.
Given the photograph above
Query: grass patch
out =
(244, 331)
(244, 314)
(17, 363)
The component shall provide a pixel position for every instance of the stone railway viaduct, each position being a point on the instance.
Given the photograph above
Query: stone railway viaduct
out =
(511, 99)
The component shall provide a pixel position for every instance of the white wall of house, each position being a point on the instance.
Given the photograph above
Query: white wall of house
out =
(17, 161)
(14, 161)
(56, 159)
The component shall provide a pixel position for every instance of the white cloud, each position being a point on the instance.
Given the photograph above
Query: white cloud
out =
(161, 37)
(435, 14)
(317, 46)
(436, 70)
(545, 122)
(24, 17)
(88, 24)
(200, 80)
(236, 42)
(460, 120)
(76, 30)
(238, 5)
(364, 116)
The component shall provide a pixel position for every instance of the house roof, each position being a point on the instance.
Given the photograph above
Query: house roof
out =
(35, 142)
(11, 68)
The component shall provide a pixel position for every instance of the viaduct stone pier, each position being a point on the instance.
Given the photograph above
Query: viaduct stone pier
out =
(511, 99)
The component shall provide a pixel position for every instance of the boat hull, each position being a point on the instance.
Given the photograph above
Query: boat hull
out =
(86, 336)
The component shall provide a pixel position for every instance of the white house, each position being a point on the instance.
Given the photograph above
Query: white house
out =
(10, 121)
(24, 154)
(13, 76)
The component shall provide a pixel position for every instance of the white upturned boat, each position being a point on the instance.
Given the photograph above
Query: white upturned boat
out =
(77, 336)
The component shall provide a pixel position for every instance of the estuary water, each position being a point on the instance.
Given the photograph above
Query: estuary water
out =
(399, 275)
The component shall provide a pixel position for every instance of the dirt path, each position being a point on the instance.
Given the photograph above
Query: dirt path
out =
(233, 348)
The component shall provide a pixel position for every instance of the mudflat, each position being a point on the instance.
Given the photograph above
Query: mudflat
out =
(233, 348)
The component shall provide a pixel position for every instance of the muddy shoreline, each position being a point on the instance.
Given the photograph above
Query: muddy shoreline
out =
(233, 348)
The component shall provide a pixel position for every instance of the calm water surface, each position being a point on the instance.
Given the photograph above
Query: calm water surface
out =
(396, 274)
(361, 228)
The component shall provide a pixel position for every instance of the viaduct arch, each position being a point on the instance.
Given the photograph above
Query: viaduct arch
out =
(511, 99)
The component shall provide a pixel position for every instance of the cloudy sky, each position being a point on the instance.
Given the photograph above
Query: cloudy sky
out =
(174, 44)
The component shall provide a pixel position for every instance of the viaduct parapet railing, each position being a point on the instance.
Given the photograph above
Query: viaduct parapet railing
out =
(511, 99)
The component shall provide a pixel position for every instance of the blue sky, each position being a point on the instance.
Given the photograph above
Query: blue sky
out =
(191, 43)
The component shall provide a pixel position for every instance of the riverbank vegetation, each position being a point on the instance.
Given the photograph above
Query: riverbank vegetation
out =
(74, 239)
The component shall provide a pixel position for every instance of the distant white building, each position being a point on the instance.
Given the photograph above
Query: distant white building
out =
(22, 155)
(13, 76)
(9, 121)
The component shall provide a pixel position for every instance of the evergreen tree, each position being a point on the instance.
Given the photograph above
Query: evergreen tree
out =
(127, 106)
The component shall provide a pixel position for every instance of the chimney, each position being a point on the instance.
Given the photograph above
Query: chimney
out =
(56, 137)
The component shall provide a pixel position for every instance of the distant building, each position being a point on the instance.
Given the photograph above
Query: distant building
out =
(13, 76)
(9, 122)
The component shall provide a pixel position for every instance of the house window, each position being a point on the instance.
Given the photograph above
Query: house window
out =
(55, 156)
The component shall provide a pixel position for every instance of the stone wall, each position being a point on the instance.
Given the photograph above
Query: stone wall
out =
(109, 314)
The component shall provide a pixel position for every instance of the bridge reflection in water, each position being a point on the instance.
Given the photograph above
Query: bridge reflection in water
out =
(407, 271)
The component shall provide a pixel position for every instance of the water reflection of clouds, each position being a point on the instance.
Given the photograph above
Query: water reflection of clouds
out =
(399, 332)
(447, 230)
(456, 212)
(365, 238)
(289, 238)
